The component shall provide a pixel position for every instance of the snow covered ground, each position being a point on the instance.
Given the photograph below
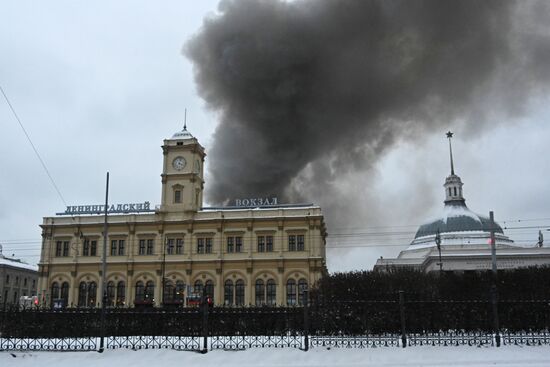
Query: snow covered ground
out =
(288, 357)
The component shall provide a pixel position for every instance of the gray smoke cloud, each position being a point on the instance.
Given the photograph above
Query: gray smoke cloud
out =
(312, 91)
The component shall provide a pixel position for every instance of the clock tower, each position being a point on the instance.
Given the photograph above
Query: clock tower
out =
(182, 173)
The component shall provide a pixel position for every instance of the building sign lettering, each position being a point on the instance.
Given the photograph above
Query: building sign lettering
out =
(111, 209)
(256, 202)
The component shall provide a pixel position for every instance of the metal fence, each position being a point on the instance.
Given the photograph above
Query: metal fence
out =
(320, 324)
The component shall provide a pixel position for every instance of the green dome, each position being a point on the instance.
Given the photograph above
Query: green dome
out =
(457, 218)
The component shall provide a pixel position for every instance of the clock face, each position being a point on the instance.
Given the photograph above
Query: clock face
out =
(179, 163)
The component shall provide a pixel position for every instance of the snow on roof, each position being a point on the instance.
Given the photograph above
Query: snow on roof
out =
(453, 211)
(17, 263)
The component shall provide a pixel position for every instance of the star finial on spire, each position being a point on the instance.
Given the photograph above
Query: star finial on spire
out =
(449, 136)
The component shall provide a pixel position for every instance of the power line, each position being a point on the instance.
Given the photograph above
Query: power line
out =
(32, 145)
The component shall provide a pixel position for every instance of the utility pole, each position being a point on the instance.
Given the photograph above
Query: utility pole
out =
(438, 243)
(494, 292)
(493, 245)
(163, 271)
(104, 268)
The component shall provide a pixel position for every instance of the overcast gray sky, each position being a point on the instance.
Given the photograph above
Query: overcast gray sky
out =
(99, 85)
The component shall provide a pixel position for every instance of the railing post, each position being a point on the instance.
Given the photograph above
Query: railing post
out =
(402, 315)
(205, 307)
(306, 321)
(494, 302)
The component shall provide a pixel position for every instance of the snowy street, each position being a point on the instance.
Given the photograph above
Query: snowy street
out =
(415, 356)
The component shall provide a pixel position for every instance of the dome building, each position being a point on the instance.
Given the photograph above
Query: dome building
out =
(460, 240)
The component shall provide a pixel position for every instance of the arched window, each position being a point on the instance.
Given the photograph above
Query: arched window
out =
(450, 194)
(291, 292)
(149, 292)
(271, 289)
(120, 293)
(65, 293)
(180, 291)
(209, 286)
(455, 190)
(228, 293)
(82, 294)
(92, 294)
(239, 292)
(302, 288)
(197, 287)
(140, 291)
(259, 290)
(111, 293)
(55, 292)
(168, 295)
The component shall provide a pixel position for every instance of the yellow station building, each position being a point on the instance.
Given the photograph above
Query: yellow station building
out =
(259, 252)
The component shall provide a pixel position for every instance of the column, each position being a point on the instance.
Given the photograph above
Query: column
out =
(158, 290)
(73, 290)
(248, 290)
(130, 288)
(280, 289)
(218, 288)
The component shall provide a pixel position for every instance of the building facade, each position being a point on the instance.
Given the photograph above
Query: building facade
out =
(253, 255)
(17, 279)
(460, 240)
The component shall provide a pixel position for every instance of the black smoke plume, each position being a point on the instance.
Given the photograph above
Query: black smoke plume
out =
(312, 90)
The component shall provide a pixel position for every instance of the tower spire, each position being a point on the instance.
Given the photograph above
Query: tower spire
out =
(453, 183)
(450, 136)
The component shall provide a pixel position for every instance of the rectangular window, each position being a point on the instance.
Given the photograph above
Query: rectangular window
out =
(58, 248)
(121, 245)
(93, 248)
(238, 244)
(300, 244)
(200, 245)
(291, 242)
(150, 244)
(141, 250)
(230, 243)
(208, 245)
(204, 245)
(269, 243)
(113, 247)
(179, 246)
(7, 279)
(86, 248)
(261, 244)
(65, 248)
(170, 246)
(177, 196)
(25, 282)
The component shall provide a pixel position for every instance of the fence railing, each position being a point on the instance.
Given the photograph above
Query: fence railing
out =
(390, 323)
